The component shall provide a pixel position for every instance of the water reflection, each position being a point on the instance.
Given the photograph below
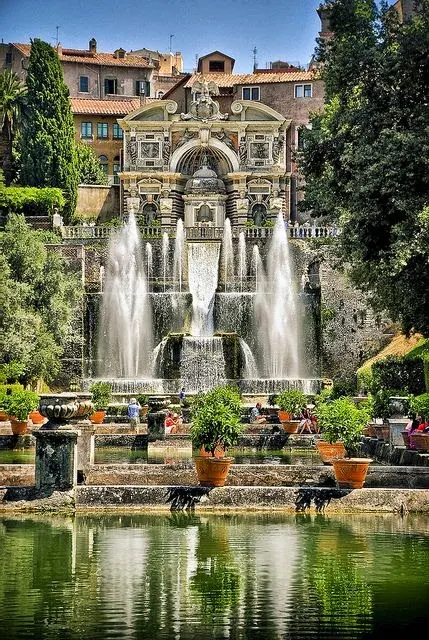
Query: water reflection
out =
(186, 576)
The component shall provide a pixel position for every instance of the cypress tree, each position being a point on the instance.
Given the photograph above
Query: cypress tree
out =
(48, 142)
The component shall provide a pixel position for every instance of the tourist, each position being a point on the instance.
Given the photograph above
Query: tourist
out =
(170, 424)
(182, 395)
(133, 412)
(256, 416)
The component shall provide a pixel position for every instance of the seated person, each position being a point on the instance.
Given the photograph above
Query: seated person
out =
(170, 424)
(255, 414)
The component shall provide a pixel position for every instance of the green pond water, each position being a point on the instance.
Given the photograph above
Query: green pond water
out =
(120, 455)
(182, 576)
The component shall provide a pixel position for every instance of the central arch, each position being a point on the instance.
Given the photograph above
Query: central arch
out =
(188, 158)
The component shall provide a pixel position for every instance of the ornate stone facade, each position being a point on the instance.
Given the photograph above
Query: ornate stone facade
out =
(244, 150)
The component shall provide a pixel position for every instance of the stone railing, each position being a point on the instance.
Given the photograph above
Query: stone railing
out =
(298, 232)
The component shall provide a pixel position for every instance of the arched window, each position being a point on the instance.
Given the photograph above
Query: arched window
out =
(205, 214)
(104, 162)
(160, 94)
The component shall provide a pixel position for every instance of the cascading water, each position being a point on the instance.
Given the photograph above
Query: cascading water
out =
(125, 339)
(276, 310)
(149, 261)
(203, 266)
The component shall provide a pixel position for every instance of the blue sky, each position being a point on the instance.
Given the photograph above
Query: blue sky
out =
(279, 29)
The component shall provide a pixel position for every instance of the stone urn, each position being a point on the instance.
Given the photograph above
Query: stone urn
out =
(158, 403)
(86, 406)
(58, 408)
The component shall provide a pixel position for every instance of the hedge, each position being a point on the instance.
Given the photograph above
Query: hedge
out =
(30, 201)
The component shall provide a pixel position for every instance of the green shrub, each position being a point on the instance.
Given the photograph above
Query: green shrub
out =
(292, 401)
(420, 405)
(405, 374)
(216, 419)
(20, 403)
(30, 201)
(342, 420)
(101, 395)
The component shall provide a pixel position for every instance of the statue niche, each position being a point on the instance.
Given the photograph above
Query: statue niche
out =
(205, 214)
(259, 214)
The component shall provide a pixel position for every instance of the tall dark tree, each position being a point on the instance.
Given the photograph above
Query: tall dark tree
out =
(48, 146)
(366, 158)
(12, 95)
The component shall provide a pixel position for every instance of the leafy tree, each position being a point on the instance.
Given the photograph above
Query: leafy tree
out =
(366, 158)
(89, 167)
(12, 97)
(48, 144)
(37, 299)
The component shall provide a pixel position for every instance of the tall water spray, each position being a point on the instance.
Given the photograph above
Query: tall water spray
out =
(125, 328)
(242, 263)
(179, 255)
(165, 247)
(227, 264)
(149, 261)
(276, 310)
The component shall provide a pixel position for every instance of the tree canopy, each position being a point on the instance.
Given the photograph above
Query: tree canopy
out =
(89, 167)
(37, 298)
(48, 149)
(366, 157)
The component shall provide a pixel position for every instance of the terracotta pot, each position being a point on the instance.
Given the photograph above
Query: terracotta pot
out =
(219, 452)
(350, 473)
(97, 417)
(3, 416)
(382, 432)
(144, 411)
(36, 417)
(212, 471)
(369, 431)
(19, 427)
(329, 452)
(406, 438)
(290, 426)
(284, 416)
(419, 441)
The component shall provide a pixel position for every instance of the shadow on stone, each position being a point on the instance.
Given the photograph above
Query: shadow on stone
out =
(185, 498)
(321, 497)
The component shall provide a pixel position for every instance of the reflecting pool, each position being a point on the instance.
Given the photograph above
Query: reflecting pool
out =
(184, 576)
(122, 455)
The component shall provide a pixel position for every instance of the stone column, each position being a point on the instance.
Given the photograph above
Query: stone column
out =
(56, 460)
(86, 431)
(56, 444)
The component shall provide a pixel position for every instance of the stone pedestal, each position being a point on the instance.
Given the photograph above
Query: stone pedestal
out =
(158, 409)
(85, 444)
(396, 426)
(56, 459)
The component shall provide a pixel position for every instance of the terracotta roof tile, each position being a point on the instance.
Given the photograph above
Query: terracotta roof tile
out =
(233, 79)
(104, 107)
(82, 55)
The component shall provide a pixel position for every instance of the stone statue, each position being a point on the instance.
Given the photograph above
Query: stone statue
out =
(242, 152)
(223, 137)
(132, 150)
(259, 215)
(187, 135)
(166, 148)
(277, 145)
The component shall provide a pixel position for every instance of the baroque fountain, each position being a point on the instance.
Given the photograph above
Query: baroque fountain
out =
(197, 312)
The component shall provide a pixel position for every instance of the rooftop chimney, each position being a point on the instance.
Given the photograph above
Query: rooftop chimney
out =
(93, 45)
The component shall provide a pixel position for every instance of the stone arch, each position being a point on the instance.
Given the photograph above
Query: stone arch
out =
(228, 155)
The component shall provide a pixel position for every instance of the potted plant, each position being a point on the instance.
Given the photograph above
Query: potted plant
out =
(101, 394)
(342, 421)
(18, 405)
(215, 426)
(291, 403)
(142, 399)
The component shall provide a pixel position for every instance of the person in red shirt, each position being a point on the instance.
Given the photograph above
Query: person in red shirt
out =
(170, 423)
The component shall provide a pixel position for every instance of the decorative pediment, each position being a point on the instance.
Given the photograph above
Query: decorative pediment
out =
(157, 110)
(203, 107)
(250, 111)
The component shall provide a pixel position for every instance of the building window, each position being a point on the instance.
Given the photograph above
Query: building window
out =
(104, 163)
(142, 88)
(116, 170)
(303, 91)
(83, 84)
(160, 94)
(86, 129)
(118, 134)
(102, 130)
(8, 59)
(110, 86)
(217, 66)
(250, 93)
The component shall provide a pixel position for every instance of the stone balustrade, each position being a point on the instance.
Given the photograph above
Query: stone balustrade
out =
(296, 232)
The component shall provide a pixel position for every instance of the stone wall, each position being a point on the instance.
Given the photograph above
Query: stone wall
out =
(98, 201)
